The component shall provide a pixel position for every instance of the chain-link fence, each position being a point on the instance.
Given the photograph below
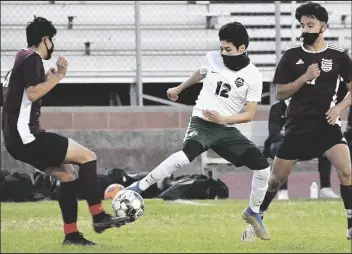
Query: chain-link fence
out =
(98, 37)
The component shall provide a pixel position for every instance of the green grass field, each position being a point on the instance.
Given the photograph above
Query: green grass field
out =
(213, 226)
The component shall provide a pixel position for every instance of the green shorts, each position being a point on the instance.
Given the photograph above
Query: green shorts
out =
(227, 142)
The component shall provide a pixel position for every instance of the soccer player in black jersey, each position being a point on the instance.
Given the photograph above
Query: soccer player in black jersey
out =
(25, 140)
(310, 74)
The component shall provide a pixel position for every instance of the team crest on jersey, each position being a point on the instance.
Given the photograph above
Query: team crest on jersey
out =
(326, 64)
(239, 82)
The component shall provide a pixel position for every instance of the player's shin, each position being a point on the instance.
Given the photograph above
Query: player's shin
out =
(166, 168)
(346, 194)
(259, 188)
(90, 186)
(69, 206)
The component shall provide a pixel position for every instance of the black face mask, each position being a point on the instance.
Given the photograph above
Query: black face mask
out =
(236, 62)
(310, 38)
(50, 51)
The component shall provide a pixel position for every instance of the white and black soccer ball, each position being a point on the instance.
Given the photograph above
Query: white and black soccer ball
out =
(128, 203)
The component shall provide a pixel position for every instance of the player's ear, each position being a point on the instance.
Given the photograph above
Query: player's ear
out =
(324, 27)
(242, 48)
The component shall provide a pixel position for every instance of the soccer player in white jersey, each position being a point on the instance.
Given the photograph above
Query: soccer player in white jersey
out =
(231, 81)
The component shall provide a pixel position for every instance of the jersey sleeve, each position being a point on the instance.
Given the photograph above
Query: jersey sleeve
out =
(254, 93)
(31, 73)
(205, 65)
(282, 73)
(346, 68)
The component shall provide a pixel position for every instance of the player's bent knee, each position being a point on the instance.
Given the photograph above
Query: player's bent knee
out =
(345, 177)
(254, 159)
(274, 185)
(192, 149)
(262, 174)
(88, 156)
(91, 156)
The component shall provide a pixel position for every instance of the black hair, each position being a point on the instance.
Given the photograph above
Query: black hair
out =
(37, 29)
(234, 32)
(311, 9)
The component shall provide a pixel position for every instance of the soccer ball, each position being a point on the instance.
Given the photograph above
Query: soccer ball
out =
(128, 203)
(112, 190)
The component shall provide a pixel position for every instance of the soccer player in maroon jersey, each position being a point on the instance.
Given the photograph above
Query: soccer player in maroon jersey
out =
(310, 74)
(26, 141)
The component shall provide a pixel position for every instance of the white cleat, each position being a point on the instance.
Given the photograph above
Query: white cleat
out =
(282, 195)
(349, 234)
(327, 193)
(248, 234)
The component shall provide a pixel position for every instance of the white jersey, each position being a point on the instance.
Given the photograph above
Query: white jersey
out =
(224, 90)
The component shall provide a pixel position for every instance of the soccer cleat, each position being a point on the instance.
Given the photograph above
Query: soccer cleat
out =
(256, 221)
(134, 187)
(106, 221)
(282, 195)
(248, 234)
(327, 193)
(76, 238)
(349, 234)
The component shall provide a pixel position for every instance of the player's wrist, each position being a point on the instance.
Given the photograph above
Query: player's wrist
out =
(179, 88)
(224, 120)
(60, 75)
(304, 78)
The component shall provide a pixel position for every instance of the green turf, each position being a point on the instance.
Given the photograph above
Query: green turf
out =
(216, 226)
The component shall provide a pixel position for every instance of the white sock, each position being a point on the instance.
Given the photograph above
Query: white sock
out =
(259, 187)
(166, 168)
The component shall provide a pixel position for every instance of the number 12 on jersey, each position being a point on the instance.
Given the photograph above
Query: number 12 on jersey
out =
(222, 89)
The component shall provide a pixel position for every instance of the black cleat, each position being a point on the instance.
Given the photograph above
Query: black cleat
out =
(76, 238)
(104, 221)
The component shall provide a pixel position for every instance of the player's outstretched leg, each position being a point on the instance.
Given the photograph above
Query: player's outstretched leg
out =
(191, 149)
(87, 162)
(256, 161)
(280, 171)
(164, 169)
(67, 176)
(339, 156)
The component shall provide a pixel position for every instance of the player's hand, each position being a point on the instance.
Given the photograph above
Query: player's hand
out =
(172, 93)
(312, 72)
(51, 72)
(61, 65)
(213, 116)
(333, 114)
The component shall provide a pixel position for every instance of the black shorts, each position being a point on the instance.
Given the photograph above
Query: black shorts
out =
(309, 145)
(47, 150)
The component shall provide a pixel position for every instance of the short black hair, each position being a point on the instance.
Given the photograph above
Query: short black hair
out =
(311, 9)
(37, 29)
(234, 32)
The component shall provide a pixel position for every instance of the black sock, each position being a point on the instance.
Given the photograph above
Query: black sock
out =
(269, 196)
(90, 185)
(324, 167)
(284, 186)
(346, 194)
(69, 206)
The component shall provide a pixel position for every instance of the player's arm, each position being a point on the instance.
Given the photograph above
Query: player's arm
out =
(286, 87)
(274, 123)
(346, 73)
(335, 112)
(196, 77)
(244, 117)
(286, 91)
(35, 91)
